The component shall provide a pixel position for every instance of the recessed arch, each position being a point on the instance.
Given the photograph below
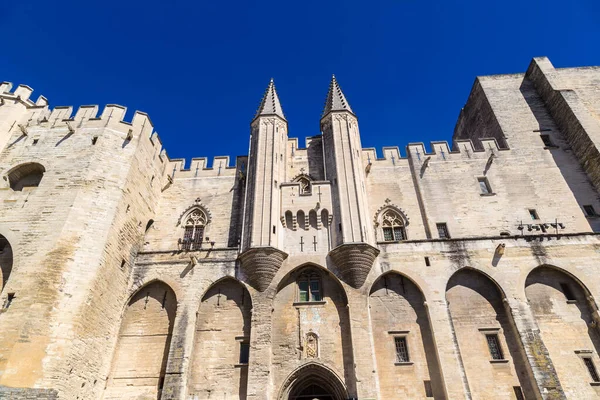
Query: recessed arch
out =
(25, 176)
(485, 335)
(398, 312)
(326, 319)
(6, 261)
(313, 376)
(221, 341)
(141, 355)
(563, 309)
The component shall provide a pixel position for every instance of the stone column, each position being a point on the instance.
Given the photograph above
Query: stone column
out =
(542, 369)
(180, 354)
(365, 373)
(261, 337)
(451, 365)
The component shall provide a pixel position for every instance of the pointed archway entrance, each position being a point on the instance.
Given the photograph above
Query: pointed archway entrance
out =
(313, 381)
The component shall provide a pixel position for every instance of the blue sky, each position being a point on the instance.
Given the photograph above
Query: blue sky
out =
(199, 68)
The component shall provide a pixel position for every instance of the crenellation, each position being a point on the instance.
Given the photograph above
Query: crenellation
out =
(450, 272)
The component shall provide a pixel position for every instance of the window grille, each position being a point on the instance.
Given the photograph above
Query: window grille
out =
(442, 229)
(309, 287)
(592, 369)
(194, 230)
(393, 226)
(494, 346)
(244, 352)
(401, 349)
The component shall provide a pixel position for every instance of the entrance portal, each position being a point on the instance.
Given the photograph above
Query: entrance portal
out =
(313, 381)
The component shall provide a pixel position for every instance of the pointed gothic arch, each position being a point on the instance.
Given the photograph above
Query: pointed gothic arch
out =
(141, 355)
(485, 335)
(390, 223)
(194, 221)
(305, 182)
(564, 310)
(399, 315)
(6, 261)
(313, 380)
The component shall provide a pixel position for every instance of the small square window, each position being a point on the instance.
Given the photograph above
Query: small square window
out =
(484, 186)
(590, 211)
(442, 229)
(401, 349)
(591, 369)
(494, 346)
(244, 352)
(547, 140)
(533, 214)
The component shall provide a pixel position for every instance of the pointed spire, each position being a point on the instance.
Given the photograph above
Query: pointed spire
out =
(336, 101)
(270, 104)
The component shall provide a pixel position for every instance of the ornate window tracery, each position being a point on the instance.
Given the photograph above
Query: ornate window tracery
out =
(195, 224)
(392, 225)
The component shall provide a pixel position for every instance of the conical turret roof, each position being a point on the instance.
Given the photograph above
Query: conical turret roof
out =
(270, 104)
(336, 101)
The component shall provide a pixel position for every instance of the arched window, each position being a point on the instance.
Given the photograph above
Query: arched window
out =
(193, 233)
(392, 225)
(305, 186)
(309, 287)
(26, 176)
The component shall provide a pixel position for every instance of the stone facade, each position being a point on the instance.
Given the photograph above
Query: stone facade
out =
(463, 271)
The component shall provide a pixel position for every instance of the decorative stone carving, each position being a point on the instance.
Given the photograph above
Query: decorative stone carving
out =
(260, 264)
(354, 261)
(312, 345)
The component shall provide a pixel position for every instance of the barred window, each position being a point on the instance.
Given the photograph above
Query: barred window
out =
(442, 229)
(591, 369)
(194, 230)
(401, 349)
(392, 226)
(309, 287)
(494, 346)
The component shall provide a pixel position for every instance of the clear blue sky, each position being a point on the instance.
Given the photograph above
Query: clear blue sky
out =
(199, 68)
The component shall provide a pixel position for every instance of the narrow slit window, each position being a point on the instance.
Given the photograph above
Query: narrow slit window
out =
(591, 369)
(442, 229)
(401, 349)
(428, 389)
(518, 393)
(566, 289)
(94, 140)
(244, 352)
(427, 262)
(533, 214)
(547, 140)
(484, 186)
(590, 211)
(494, 345)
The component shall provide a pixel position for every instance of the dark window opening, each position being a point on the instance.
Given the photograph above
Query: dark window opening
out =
(591, 369)
(494, 345)
(149, 225)
(401, 349)
(518, 393)
(122, 264)
(35, 141)
(484, 186)
(193, 233)
(273, 228)
(590, 211)
(9, 300)
(442, 229)
(340, 226)
(547, 140)
(428, 389)
(94, 140)
(533, 214)
(161, 382)
(566, 289)
(427, 262)
(244, 352)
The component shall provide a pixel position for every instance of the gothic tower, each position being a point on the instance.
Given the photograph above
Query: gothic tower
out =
(261, 255)
(353, 237)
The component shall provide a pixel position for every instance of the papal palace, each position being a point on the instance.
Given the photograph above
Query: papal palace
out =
(307, 269)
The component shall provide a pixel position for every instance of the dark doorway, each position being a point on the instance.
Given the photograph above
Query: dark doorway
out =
(312, 392)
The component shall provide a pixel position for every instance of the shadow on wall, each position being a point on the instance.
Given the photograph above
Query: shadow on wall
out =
(558, 146)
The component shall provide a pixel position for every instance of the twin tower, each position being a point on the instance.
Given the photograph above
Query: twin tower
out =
(342, 192)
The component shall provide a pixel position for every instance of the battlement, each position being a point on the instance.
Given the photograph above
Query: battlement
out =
(22, 94)
(199, 167)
